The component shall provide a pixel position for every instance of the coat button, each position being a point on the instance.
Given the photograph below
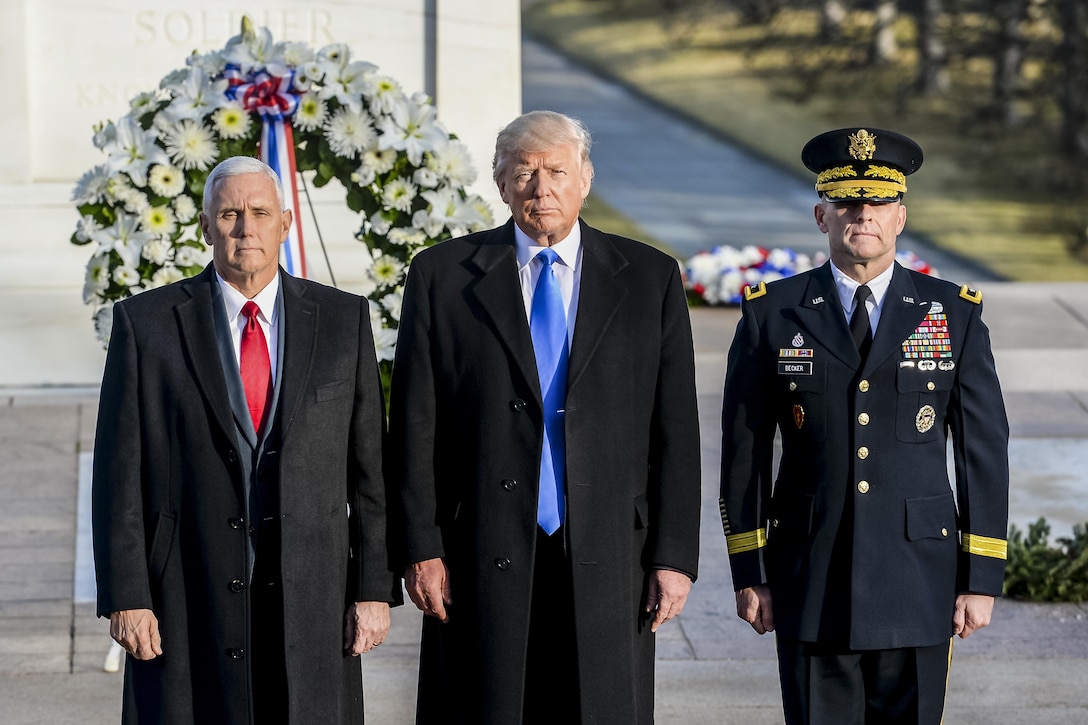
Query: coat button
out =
(236, 653)
(944, 532)
(863, 418)
(863, 386)
(236, 522)
(930, 385)
(237, 585)
(503, 564)
(863, 487)
(509, 484)
(517, 405)
(863, 453)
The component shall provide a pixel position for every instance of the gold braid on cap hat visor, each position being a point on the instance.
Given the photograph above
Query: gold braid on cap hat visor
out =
(843, 182)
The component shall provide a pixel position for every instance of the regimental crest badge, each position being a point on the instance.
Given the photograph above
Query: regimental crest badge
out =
(862, 145)
(925, 418)
(798, 340)
(798, 416)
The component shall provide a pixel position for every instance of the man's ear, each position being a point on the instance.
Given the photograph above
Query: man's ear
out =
(818, 212)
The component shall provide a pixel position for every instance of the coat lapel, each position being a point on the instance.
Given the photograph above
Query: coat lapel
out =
(499, 293)
(901, 313)
(299, 346)
(196, 319)
(599, 298)
(820, 312)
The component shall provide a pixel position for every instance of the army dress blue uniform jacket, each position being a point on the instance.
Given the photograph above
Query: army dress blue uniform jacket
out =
(861, 537)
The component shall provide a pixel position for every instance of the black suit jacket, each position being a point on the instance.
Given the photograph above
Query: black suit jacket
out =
(860, 535)
(466, 431)
(169, 500)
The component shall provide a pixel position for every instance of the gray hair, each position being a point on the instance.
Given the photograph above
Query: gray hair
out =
(237, 166)
(540, 131)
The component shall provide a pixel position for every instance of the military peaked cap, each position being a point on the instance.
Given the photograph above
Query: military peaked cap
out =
(862, 164)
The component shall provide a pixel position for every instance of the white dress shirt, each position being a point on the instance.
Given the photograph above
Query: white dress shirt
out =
(234, 301)
(567, 270)
(877, 285)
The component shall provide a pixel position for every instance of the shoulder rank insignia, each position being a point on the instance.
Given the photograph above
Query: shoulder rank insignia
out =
(971, 295)
(751, 293)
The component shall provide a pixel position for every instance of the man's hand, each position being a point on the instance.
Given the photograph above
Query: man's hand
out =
(428, 585)
(972, 613)
(666, 595)
(366, 625)
(137, 631)
(754, 607)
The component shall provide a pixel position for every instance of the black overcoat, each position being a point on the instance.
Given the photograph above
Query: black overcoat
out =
(170, 519)
(862, 539)
(466, 433)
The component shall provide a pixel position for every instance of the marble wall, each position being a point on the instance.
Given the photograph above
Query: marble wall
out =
(70, 64)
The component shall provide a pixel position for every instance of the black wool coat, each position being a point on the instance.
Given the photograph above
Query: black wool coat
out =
(861, 537)
(466, 432)
(169, 511)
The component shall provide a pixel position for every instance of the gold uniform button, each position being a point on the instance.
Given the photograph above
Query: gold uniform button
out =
(775, 523)
(863, 487)
(863, 386)
(863, 418)
(863, 453)
(930, 385)
(944, 532)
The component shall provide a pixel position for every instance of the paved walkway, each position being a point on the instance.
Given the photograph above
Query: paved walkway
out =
(1029, 666)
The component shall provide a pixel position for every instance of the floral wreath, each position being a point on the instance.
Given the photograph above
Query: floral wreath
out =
(344, 120)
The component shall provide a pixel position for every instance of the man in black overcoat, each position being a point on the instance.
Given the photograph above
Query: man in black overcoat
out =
(859, 553)
(549, 502)
(238, 496)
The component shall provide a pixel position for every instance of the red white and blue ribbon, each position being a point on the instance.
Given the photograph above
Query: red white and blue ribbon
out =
(272, 98)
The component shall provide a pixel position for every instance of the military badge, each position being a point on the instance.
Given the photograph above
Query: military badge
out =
(946, 365)
(927, 365)
(798, 340)
(930, 339)
(925, 419)
(798, 416)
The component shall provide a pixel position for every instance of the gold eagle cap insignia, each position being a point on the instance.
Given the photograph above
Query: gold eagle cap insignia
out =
(751, 293)
(971, 295)
(862, 145)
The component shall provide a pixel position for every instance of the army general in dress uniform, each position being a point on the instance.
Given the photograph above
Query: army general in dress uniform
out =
(859, 553)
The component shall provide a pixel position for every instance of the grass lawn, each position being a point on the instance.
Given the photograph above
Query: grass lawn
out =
(986, 195)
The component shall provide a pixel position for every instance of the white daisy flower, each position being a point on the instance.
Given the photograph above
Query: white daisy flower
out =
(453, 162)
(166, 181)
(399, 194)
(135, 201)
(126, 276)
(384, 93)
(311, 112)
(406, 237)
(386, 270)
(164, 276)
(191, 146)
(156, 251)
(379, 224)
(349, 132)
(86, 228)
(189, 256)
(91, 187)
(97, 280)
(232, 121)
(141, 103)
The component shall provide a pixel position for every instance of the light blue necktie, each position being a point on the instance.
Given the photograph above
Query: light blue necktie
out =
(548, 325)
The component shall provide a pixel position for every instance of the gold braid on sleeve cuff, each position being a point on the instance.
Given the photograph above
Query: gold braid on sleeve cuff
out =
(984, 546)
(748, 541)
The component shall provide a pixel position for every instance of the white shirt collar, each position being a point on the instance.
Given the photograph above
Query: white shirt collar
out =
(235, 300)
(568, 249)
(847, 287)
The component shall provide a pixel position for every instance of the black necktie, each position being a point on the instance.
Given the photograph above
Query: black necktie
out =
(859, 322)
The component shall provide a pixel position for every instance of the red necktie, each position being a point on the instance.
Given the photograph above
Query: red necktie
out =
(255, 366)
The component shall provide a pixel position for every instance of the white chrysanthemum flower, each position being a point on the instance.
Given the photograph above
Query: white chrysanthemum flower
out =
(386, 271)
(159, 220)
(406, 236)
(86, 228)
(166, 181)
(311, 112)
(425, 177)
(379, 224)
(453, 162)
(141, 103)
(349, 133)
(381, 162)
(157, 251)
(232, 121)
(164, 276)
(126, 276)
(363, 176)
(392, 303)
(411, 128)
(190, 256)
(135, 201)
(184, 208)
(92, 186)
(191, 146)
(399, 194)
(103, 322)
(97, 280)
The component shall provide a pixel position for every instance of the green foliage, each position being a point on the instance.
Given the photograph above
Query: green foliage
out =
(1039, 572)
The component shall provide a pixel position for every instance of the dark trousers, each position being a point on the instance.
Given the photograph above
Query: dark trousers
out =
(551, 672)
(823, 685)
(267, 661)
